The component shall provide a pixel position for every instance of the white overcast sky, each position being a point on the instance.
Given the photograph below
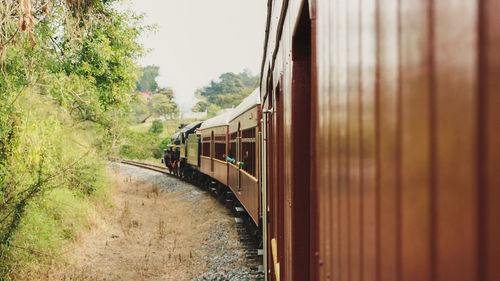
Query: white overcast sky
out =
(197, 40)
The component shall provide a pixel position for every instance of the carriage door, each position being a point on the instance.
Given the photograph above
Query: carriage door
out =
(238, 152)
(280, 173)
(268, 142)
(300, 148)
(212, 150)
(275, 190)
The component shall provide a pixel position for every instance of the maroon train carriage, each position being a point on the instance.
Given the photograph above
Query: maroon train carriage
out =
(214, 145)
(382, 140)
(244, 147)
(230, 154)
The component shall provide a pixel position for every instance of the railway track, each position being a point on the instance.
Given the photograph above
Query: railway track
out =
(154, 167)
(252, 244)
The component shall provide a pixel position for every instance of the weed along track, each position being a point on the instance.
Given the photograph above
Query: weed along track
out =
(162, 228)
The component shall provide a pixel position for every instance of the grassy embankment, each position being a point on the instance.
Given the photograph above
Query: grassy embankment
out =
(72, 201)
(53, 146)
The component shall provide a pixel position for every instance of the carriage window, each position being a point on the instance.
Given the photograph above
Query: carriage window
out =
(248, 151)
(232, 146)
(205, 146)
(220, 147)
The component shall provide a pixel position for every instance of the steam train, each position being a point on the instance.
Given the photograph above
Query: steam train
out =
(371, 150)
(223, 152)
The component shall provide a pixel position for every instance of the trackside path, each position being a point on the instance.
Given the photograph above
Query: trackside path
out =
(160, 228)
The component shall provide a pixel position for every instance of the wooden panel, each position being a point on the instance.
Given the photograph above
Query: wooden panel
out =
(323, 252)
(331, 113)
(278, 172)
(272, 223)
(205, 167)
(490, 140)
(389, 141)
(406, 139)
(369, 195)
(248, 195)
(313, 186)
(354, 141)
(232, 177)
(285, 139)
(220, 171)
(454, 98)
(299, 155)
(415, 142)
(340, 115)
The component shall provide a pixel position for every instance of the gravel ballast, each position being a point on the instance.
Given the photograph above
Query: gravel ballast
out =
(222, 256)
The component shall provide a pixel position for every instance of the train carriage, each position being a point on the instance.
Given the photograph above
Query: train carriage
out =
(214, 145)
(244, 143)
(381, 137)
(371, 149)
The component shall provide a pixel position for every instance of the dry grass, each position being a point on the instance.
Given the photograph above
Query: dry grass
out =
(148, 235)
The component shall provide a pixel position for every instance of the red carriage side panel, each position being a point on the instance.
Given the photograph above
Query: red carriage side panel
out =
(233, 177)
(220, 171)
(406, 141)
(247, 194)
(489, 139)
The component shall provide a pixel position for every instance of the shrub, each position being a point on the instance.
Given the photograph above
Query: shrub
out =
(156, 127)
(164, 143)
(50, 173)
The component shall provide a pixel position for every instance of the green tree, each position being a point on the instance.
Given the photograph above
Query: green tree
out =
(249, 80)
(227, 92)
(156, 127)
(147, 81)
(169, 93)
(229, 83)
(163, 106)
(212, 110)
(200, 107)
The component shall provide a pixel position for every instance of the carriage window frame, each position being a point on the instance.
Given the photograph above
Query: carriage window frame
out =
(205, 146)
(220, 147)
(233, 139)
(248, 142)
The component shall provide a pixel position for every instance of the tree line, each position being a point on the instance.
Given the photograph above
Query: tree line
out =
(227, 92)
(162, 100)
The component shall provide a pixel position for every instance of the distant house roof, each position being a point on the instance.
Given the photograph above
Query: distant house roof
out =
(150, 117)
(145, 94)
(145, 118)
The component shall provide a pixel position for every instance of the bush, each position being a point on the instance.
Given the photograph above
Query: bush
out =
(140, 146)
(54, 172)
(61, 216)
(156, 127)
(164, 143)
